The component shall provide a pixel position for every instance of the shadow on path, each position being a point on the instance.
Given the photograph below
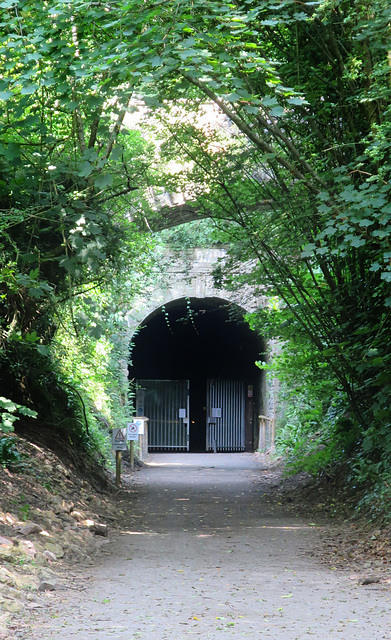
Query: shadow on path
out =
(203, 554)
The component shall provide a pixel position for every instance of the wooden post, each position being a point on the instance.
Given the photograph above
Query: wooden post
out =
(118, 468)
(132, 454)
(273, 442)
(267, 430)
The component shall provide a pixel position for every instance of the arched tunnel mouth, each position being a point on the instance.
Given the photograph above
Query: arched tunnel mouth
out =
(193, 367)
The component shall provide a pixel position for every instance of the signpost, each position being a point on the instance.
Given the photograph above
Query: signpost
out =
(119, 444)
(132, 435)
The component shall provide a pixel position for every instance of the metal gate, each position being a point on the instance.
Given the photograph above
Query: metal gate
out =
(166, 404)
(226, 415)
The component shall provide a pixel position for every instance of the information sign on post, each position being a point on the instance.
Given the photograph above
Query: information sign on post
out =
(119, 440)
(140, 422)
(132, 430)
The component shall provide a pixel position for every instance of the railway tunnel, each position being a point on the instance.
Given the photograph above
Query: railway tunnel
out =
(194, 374)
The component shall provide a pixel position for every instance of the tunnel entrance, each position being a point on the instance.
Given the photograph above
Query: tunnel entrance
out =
(205, 347)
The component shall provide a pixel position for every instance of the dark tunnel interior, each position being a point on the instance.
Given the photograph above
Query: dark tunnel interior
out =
(197, 339)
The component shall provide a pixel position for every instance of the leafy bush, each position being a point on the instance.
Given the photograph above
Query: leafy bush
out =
(315, 430)
(92, 367)
(372, 482)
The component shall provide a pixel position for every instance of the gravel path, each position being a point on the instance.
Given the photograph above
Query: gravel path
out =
(204, 554)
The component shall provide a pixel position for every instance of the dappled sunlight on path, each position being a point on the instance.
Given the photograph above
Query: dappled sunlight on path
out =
(202, 553)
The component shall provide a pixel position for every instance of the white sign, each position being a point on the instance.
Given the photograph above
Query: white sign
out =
(119, 440)
(216, 412)
(182, 413)
(132, 431)
(141, 426)
(140, 422)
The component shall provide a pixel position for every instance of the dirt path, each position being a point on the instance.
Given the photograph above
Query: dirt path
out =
(205, 555)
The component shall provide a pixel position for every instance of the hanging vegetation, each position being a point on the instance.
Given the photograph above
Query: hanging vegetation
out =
(295, 172)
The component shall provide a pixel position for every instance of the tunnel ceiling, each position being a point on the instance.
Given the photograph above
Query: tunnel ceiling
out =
(193, 339)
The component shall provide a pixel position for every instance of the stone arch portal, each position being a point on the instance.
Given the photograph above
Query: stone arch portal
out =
(193, 361)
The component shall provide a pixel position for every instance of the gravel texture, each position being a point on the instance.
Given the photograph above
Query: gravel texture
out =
(212, 547)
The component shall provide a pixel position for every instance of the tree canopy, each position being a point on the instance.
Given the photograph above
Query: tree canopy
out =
(294, 170)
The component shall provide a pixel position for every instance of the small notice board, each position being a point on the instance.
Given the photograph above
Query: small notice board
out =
(119, 440)
(140, 422)
(132, 430)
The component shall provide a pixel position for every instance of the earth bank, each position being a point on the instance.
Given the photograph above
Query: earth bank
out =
(50, 519)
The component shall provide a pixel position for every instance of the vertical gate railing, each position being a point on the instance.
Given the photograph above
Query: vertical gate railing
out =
(166, 404)
(226, 415)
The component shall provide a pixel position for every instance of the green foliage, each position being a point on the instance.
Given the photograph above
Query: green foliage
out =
(8, 451)
(24, 511)
(199, 233)
(313, 426)
(90, 349)
(91, 371)
(9, 414)
(296, 174)
(292, 162)
(372, 481)
(69, 173)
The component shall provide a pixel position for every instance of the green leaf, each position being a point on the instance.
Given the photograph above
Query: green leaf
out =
(232, 97)
(277, 111)
(31, 337)
(117, 153)
(330, 231)
(5, 95)
(189, 53)
(381, 233)
(27, 412)
(104, 180)
(156, 61)
(308, 251)
(85, 169)
(44, 351)
(324, 208)
(96, 332)
(297, 101)
(29, 89)
(269, 101)
(249, 109)
(366, 223)
(357, 242)
(36, 292)
(7, 404)
(71, 105)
